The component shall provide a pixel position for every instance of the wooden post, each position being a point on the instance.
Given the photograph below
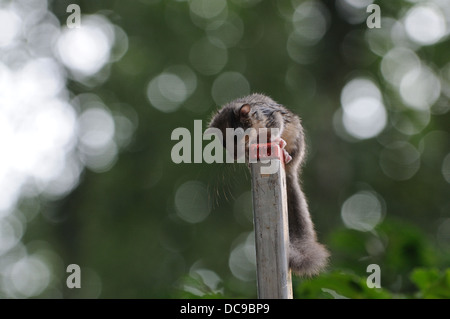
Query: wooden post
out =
(270, 215)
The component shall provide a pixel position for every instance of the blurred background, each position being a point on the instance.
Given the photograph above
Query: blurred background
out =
(86, 116)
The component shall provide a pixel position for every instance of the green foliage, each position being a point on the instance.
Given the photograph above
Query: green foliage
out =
(406, 262)
(432, 283)
(339, 285)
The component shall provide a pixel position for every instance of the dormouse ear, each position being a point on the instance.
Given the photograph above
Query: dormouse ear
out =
(245, 109)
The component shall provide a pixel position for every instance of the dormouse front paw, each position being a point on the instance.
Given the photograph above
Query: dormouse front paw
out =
(282, 143)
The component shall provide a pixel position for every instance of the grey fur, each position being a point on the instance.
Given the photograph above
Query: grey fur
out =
(307, 257)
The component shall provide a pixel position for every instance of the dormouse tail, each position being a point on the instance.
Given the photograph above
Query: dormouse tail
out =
(307, 257)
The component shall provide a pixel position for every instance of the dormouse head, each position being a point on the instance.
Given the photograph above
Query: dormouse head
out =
(244, 114)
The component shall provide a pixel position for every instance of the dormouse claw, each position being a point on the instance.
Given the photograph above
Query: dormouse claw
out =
(287, 157)
(282, 143)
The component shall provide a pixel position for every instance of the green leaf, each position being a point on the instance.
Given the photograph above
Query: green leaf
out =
(432, 283)
(424, 277)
